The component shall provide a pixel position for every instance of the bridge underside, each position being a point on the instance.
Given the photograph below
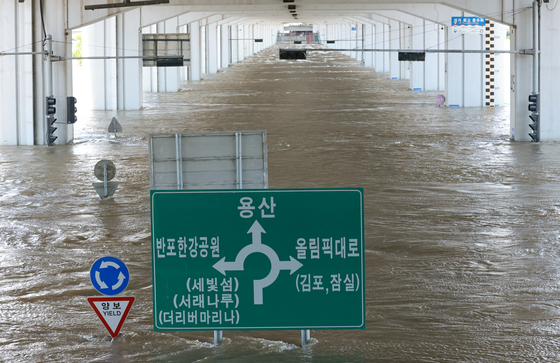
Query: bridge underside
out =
(223, 32)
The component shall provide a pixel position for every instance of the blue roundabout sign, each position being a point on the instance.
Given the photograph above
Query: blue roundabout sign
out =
(109, 275)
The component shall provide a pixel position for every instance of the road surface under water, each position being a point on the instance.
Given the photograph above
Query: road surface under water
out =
(461, 224)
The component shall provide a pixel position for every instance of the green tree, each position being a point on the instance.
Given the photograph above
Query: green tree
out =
(77, 47)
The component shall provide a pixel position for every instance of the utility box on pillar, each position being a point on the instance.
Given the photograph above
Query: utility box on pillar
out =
(534, 107)
(50, 112)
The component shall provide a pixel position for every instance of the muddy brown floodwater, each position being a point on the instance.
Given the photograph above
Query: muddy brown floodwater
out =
(461, 224)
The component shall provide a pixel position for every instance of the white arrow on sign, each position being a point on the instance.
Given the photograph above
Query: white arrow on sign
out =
(105, 264)
(120, 282)
(256, 246)
(101, 283)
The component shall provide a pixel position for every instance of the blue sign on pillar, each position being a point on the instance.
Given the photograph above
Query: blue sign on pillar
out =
(109, 275)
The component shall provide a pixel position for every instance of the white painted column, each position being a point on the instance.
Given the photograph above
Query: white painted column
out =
(249, 40)
(474, 71)
(62, 71)
(465, 72)
(212, 48)
(431, 65)
(550, 74)
(340, 43)
(272, 30)
(405, 43)
(243, 36)
(379, 44)
(110, 64)
(348, 38)
(203, 47)
(442, 65)
(386, 45)
(394, 43)
(330, 35)
(195, 69)
(233, 35)
(361, 41)
(129, 80)
(270, 35)
(149, 74)
(354, 36)
(522, 78)
(168, 77)
(502, 66)
(99, 40)
(417, 69)
(225, 43)
(240, 43)
(454, 71)
(184, 71)
(369, 36)
(16, 76)
(258, 35)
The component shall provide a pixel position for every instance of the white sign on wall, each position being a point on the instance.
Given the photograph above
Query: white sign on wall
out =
(468, 25)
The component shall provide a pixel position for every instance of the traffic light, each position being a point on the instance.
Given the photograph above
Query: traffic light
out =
(50, 111)
(71, 110)
(534, 107)
(293, 54)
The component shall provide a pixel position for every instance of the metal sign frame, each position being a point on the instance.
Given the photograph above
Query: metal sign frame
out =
(209, 160)
(166, 50)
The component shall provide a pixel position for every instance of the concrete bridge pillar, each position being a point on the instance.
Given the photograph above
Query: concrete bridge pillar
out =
(433, 39)
(17, 82)
(454, 75)
(22, 77)
(522, 80)
(149, 74)
(379, 44)
(387, 45)
(99, 40)
(212, 52)
(369, 43)
(129, 71)
(225, 44)
(195, 68)
(417, 71)
(168, 77)
(394, 43)
(234, 43)
(112, 84)
(465, 71)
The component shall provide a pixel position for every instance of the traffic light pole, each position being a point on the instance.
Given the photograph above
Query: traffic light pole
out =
(534, 98)
(536, 47)
(48, 83)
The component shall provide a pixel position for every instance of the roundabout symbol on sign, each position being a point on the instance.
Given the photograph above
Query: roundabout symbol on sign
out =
(256, 246)
(109, 275)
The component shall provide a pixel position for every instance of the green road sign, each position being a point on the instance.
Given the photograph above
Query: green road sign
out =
(258, 259)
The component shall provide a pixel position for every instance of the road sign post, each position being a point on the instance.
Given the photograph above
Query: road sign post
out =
(110, 276)
(258, 259)
(105, 170)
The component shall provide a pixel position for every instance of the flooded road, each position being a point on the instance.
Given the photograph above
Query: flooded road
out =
(461, 224)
